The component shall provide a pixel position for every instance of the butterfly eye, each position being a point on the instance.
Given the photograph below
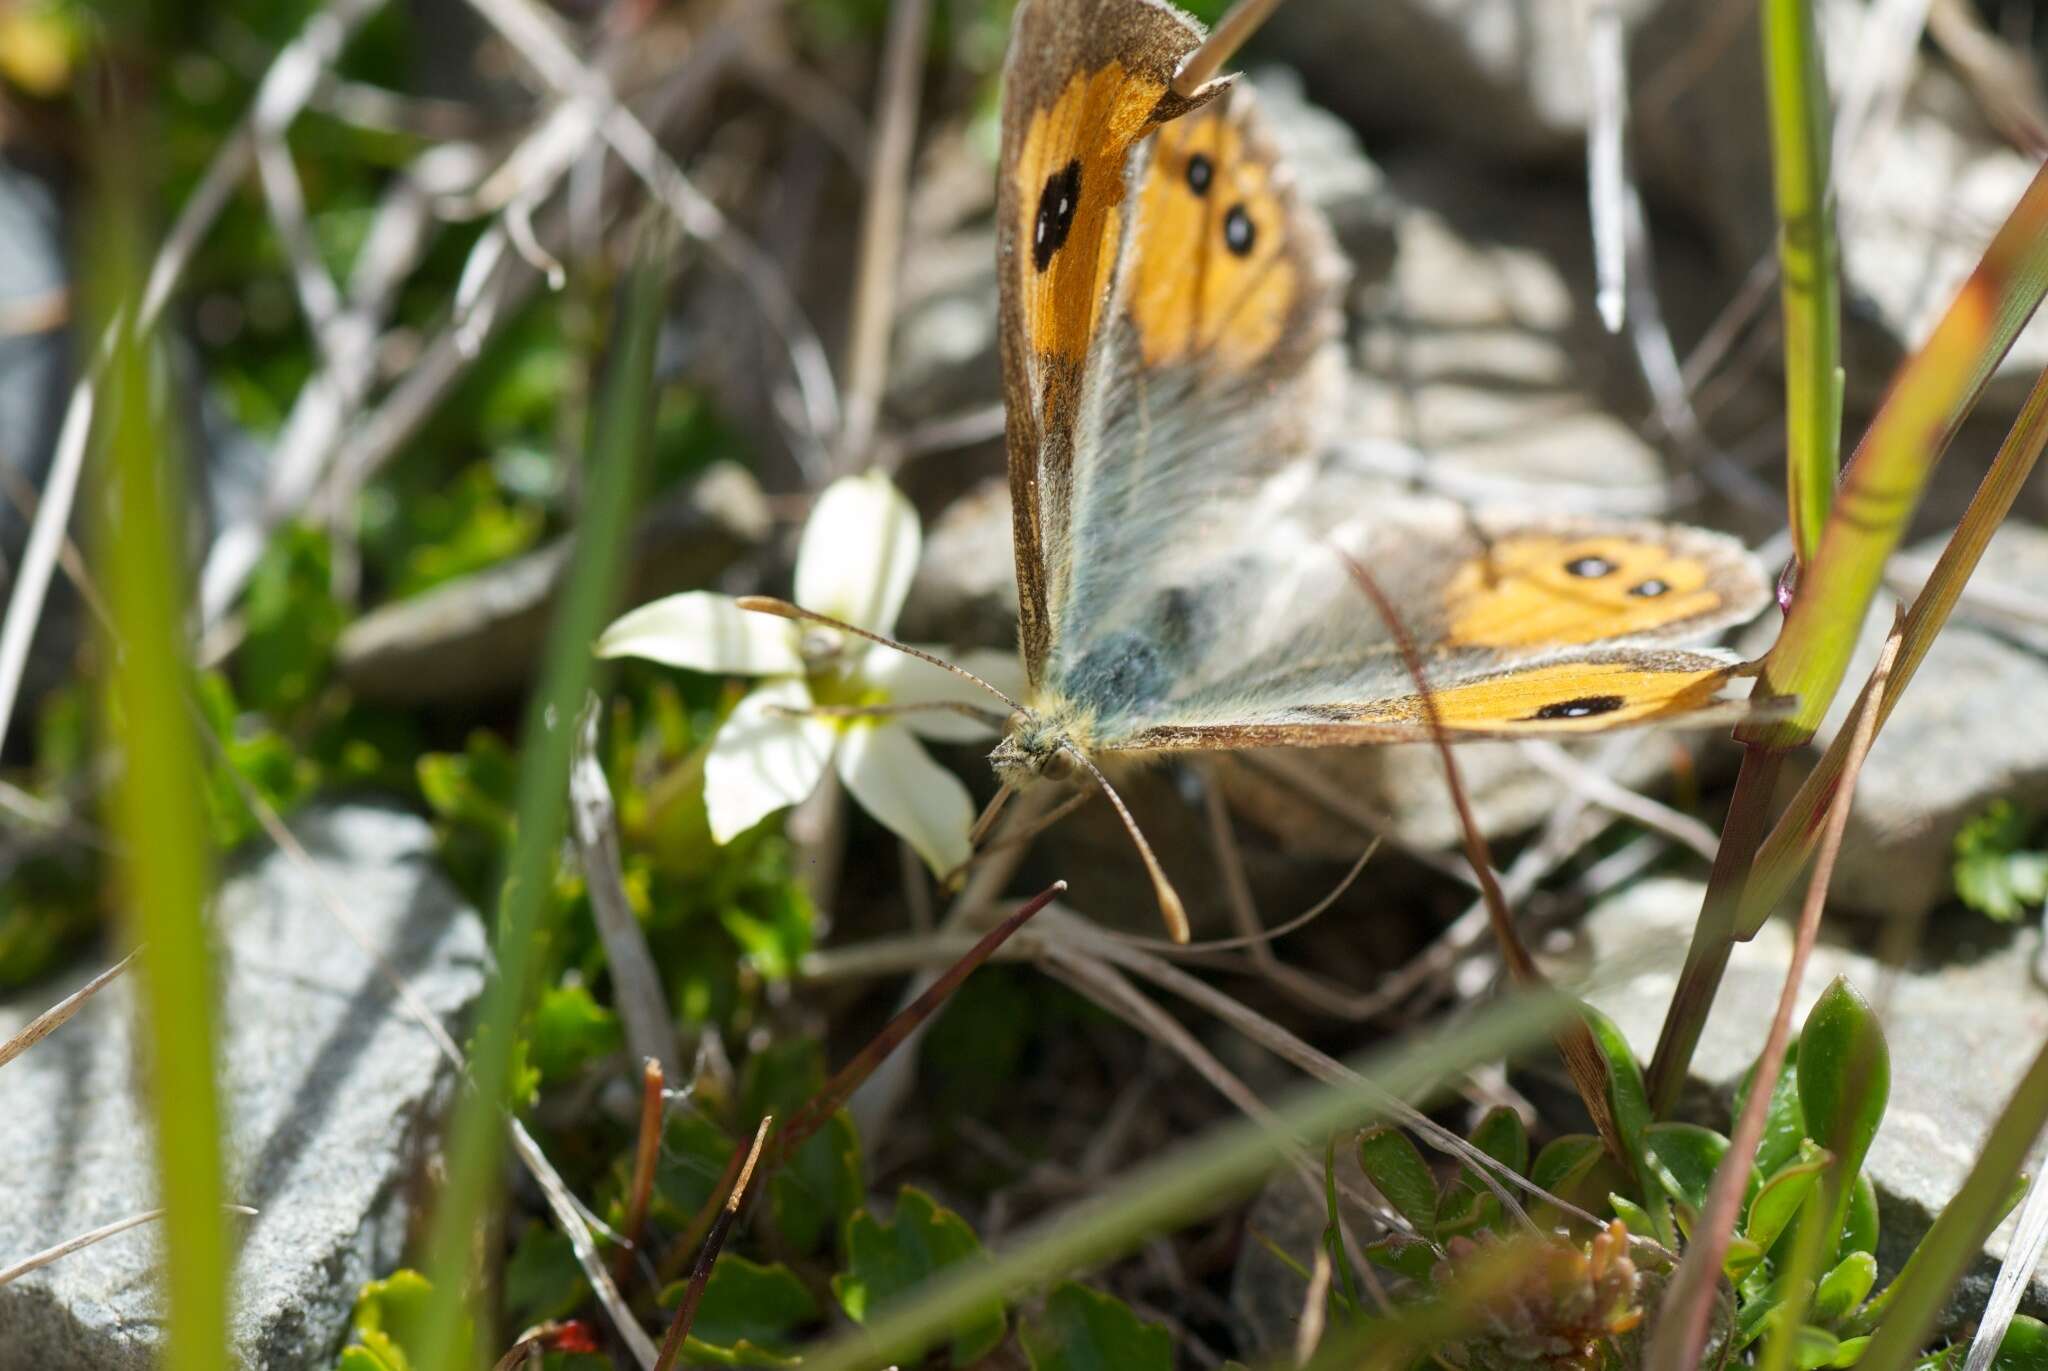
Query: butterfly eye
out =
(1585, 707)
(1238, 232)
(1592, 568)
(1056, 205)
(1650, 589)
(1201, 171)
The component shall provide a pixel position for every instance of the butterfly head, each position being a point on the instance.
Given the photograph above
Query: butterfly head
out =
(1037, 743)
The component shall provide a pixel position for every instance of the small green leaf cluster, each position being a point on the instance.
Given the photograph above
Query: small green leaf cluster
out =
(2000, 868)
(816, 1249)
(1801, 1260)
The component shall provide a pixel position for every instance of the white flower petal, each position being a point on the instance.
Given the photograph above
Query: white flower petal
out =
(705, 631)
(858, 552)
(895, 779)
(764, 758)
(906, 680)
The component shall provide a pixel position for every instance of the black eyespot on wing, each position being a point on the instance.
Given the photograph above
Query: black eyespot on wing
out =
(1592, 568)
(1650, 589)
(1056, 206)
(1239, 233)
(1584, 707)
(1201, 171)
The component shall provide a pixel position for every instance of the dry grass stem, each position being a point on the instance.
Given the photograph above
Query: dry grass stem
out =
(58, 1014)
(881, 231)
(636, 982)
(707, 1257)
(83, 1240)
(646, 1153)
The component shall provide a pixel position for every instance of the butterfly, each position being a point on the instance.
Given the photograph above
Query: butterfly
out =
(1172, 370)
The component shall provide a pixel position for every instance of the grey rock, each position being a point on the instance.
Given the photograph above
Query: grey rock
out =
(331, 1090)
(35, 373)
(1506, 76)
(1920, 198)
(1961, 1022)
(484, 633)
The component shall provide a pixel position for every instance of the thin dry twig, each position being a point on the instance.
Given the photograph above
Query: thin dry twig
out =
(58, 1014)
(100, 1234)
(533, 34)
(1682, 1329)
(636, 985)
(1607, 186)
(573, 1220)
(881, 231)
(646, 1152)
(707, 1257)
(287, 85)
(892, 1036)
(1574, 1038)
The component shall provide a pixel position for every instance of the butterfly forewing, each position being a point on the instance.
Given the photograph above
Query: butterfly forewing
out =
(1086, 80)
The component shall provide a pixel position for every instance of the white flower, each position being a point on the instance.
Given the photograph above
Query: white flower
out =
(858, 553)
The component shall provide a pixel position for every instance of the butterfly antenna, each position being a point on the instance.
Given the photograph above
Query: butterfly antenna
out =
(783, 609)
(1170, 907)
(1221, 45)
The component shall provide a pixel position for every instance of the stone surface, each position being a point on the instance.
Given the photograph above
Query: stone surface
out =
(330, 1087)
(1920, 197)
(35, 373)
(485, 633)
(1965, 733)
(1962, 1022)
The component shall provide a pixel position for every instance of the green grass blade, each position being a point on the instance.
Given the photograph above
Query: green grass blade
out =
(157, 810)
(1810, 287)
(1790, 846)
(1196, 1179)
(1932, 392)
(1957, 1238)
(617, 452)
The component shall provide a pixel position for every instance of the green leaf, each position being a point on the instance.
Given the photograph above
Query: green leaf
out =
(1563, 1161)
(1784, 1121)
(2024, 1347)
(1845, 1078)
(748, 1308)
(1781, 1196)
(1397, 1170)
(1996, 872)
(1683, 1157)
(694, 1154)
(1625, 1089)
(1406, 1256)
(1084, 1330)
(774, 931)
(885, 1262)
(570, 1028)
(1843, 1289)
(1634, 1215)
(820, 1186)
(391, 1316)
(1742, 1257)
(1502, 1136)
(780, 1078)
(1814, 1348)
(291, 618)
(542, 1280)
(1859, 1229)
